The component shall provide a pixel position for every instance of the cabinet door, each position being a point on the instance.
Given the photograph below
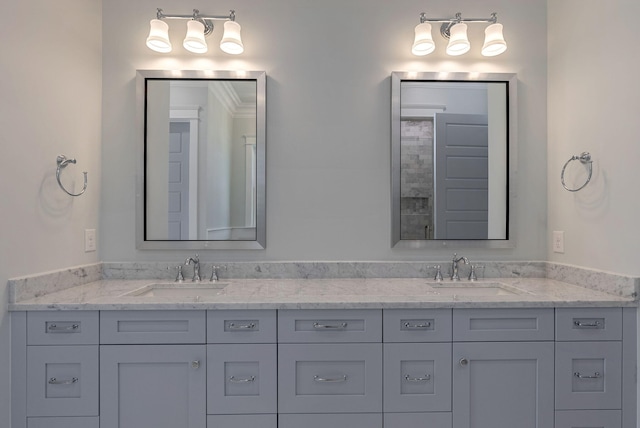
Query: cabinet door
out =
(503, 385)
(155, 386)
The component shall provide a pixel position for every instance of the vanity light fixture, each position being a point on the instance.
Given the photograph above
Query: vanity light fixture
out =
(198, 27)
(455, 30)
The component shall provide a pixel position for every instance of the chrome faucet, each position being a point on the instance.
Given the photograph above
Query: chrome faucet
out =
(196, 267)
(455, 276)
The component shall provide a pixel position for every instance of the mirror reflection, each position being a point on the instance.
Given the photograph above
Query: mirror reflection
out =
(450, 159)
(203, 161)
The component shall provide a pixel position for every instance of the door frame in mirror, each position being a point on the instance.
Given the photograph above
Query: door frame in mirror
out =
(261, 223)
(396, 79)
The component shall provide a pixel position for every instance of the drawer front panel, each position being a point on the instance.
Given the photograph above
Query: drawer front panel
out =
(152, 327)
(62, 328)
(588, 375)
(257, 326)
(368, 420)
(335, 378)
(417, 377)
(418, 420)
(589, 419)
(242, 379)
(242, 421)
(322, 326)
(417, 325)
(503, 325)
(63, 422)
(586, 324)
(62, 380)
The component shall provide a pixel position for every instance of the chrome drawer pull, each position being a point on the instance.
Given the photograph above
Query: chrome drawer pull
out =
(195, 364)
(340, 326)
(249, 326)
(233, 379)
(417, 379)
(417, 326)
(64, 329)
(337, 379)
(596, 375)
(54, 381)
(595, 324)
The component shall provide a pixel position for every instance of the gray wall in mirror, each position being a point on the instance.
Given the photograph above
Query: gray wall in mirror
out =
(203, 158)
(451, 139)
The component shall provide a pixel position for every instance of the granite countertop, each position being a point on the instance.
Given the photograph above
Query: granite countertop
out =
(341, 293)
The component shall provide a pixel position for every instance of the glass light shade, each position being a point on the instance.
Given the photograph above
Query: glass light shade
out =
(194, 42)
(458, 42)
(423, 43)
(231, 42)
(494, 43)
(158, 39)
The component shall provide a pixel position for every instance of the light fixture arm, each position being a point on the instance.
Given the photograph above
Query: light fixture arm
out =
(447, 23)
(206, 20)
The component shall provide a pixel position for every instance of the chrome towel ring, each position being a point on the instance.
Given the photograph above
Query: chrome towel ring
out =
(62, 162)
(585, 159)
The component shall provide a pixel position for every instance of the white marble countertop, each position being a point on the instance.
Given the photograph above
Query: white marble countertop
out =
(343, 293)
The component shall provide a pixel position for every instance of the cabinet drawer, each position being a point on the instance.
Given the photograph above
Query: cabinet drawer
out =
(152, 327)
(417, 325)
(502, 325)
(418, 420)
(242, 379)
(367, 420)
(320, 326)
(337, 378)
(251, 326)
(589, 419)
(589, 324)
(417, 377)
(242, 421)
(62, 380)
(62, 328)
(588, 375)
(63, 422)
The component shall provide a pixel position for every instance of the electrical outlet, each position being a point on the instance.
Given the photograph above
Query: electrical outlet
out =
(89, 240)
(558, 241)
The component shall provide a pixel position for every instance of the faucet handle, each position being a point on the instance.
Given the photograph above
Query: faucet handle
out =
(214, 272)
(438, 274)
(179, 276)
(472, 272)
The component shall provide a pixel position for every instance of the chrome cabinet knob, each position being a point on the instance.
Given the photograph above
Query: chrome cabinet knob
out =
(463, 362)
(195, 364)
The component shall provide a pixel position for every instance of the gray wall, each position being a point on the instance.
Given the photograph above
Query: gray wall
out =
(328, 67)
(50, 104)
(593, 106)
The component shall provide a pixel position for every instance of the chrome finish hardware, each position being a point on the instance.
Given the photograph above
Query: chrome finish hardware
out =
(196, 267)
(417, 379)
(417, 326)
(472, 272)
(179, 275)
(64, 329)
(195, 364)
(233, 379)
(340, 326)
(62, 163)
(596, 375)
(438, 274)
(323, 379)
(595, 324)
(585, 159)
(54, 381)
(249, 326)
(463, 362)
(214, 272)
(455, 276)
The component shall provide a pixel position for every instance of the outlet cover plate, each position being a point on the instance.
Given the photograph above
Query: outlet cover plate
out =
(558, 241)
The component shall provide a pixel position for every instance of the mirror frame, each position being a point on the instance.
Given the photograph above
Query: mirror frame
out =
(261, 222)
(397, 78)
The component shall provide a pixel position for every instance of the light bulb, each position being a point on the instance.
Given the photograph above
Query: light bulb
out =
(158, 39)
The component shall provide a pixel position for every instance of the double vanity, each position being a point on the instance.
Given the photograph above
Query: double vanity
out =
(340, 352)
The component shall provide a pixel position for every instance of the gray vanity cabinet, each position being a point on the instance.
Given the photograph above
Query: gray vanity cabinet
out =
(160, 383)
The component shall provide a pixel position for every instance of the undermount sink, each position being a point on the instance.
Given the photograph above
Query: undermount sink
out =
(178, 290)
(476, 289)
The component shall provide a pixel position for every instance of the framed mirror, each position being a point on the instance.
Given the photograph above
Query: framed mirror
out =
(452, 136)
(203, 160)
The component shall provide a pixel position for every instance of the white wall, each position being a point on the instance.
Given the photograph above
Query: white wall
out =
(594, 106)
(50, 104)
(328, 117)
